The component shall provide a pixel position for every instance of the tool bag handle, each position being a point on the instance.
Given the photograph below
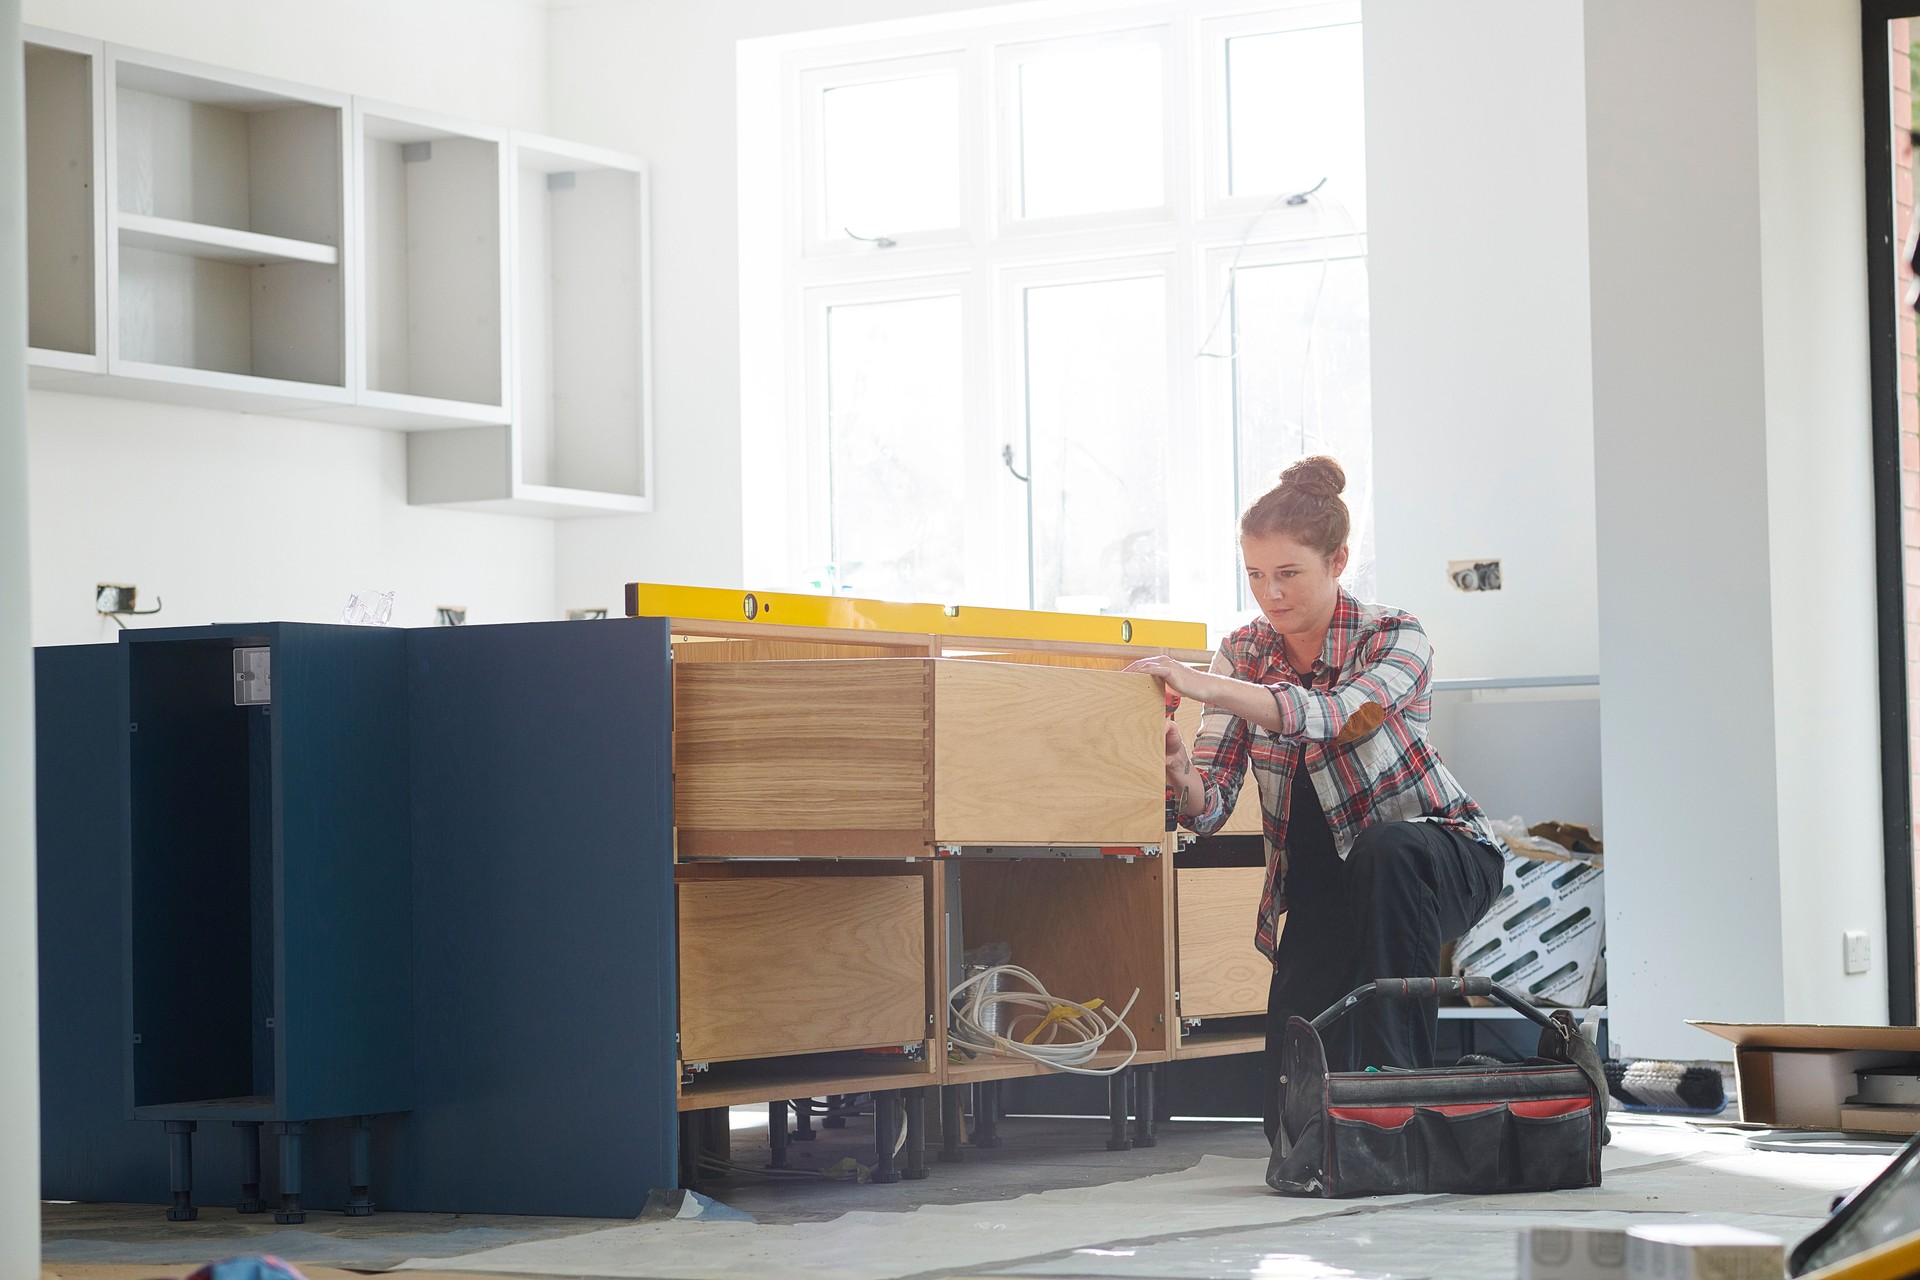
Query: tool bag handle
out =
(1428, 988)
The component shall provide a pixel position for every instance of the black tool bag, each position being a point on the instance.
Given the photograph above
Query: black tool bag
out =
(1531, 1126)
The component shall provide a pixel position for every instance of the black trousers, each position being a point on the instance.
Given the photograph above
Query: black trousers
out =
(1405, 890)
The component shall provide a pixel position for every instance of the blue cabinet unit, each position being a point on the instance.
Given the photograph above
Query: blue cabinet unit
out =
(399, 901)
(268, 887)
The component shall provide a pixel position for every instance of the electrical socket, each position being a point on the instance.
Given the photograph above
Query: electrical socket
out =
(1859, 951)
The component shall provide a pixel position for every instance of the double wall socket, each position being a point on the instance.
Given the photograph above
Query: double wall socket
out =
(1859, 951)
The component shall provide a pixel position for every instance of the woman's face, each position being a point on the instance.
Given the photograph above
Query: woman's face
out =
(1294, 585)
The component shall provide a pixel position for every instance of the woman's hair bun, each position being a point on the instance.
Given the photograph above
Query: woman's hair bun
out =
(1319, 475)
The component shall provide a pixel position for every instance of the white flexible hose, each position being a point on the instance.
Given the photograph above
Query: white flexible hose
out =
(1067, 1045)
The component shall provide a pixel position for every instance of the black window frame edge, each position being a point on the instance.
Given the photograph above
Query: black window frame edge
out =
(1883, 239)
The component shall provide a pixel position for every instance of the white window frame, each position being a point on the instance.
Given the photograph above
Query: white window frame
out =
(1011, 286)
(820, 240)
(1194, 235)
(1220, 474)
(1215, 139)
(1008, 152)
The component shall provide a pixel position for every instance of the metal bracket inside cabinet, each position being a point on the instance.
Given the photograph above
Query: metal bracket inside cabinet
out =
(1122, 852)
(915, 1052)
(688, 1070)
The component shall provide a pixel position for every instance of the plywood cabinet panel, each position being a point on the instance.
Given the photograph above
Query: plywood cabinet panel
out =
(1221, 972)
(1087, 929)
(1039, 755)
(889, 757)
(801, 964)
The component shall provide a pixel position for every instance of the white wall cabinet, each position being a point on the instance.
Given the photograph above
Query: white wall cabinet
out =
(579, 441)
(206, 236)
(66, 208)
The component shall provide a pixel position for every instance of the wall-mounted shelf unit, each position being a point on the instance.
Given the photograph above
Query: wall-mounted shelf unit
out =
(210, 237)
(433, 289)
(581, 439)
(226, 225)
(66, 207)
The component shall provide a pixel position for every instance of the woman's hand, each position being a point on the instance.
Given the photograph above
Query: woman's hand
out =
(1172, 673)
(1179, 763)
(1189, 788)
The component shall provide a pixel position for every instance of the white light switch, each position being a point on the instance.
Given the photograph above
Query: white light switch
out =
(1859, 952)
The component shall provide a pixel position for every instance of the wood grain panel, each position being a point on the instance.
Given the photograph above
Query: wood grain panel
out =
(801, 746)
(687, 649)
(1084, 927)
(801, 964)
(1028, 755)
(1046, 658)
(1221, 972)
(1245, 820)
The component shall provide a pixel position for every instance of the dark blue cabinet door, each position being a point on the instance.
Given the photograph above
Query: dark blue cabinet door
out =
(543, 929)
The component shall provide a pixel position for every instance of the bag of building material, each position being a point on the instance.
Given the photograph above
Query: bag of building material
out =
(1478, 1129)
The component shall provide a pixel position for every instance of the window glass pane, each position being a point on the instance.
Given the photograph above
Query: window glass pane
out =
(1294, 115)
(1097, 428)
(1090, 131)
(1301, 385)
(894, 374)
(892, 155)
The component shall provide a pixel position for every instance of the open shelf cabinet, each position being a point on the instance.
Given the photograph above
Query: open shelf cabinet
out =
(268, 889)
(581, 439)
(210, 237)
(226, 228)
(433, 286)
(66, 207)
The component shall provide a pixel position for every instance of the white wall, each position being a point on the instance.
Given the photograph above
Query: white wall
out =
(1482, 378)
(231, 517)
(658, 77)
(19, 988)
(1731, 423)
(1826, 693)
(481, 59)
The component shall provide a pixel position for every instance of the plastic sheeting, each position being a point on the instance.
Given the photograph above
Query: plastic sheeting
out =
(1106, 1230)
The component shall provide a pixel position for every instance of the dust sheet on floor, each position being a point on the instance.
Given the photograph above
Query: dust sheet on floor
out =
(1218, 1219)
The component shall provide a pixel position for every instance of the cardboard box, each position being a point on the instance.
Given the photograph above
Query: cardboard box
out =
(1868, 1118)
(1799, 1076)
(1545, 934)
(1703, 1252)
(1573, 1253)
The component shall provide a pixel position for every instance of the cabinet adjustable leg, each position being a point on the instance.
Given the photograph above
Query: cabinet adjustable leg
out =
(1117, 1092)
(250, 1201)
(293, 1143)
(1143, 1134)
(886, 1130)
(803, 1130)
(360, 1168)
(834, 1120)
(180, 1170)
(916, 1134)
(986, 1114)
(950, 1123)
(777, 1135)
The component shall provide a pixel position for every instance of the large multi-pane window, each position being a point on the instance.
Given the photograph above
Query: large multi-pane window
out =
(1068, 296)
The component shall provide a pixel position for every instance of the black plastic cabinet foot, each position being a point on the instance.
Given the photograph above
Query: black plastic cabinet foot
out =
(250, 1201)
(360, 1169)
(293, 1143)
(180, 1170)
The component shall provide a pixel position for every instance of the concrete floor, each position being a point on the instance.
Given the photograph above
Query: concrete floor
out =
(1052, 1201)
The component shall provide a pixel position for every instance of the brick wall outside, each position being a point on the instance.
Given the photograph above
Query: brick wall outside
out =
(1905, 326)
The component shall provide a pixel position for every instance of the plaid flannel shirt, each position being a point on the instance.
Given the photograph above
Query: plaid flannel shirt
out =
(1372, 654)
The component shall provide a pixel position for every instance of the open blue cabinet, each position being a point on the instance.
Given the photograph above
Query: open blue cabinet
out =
(268, 895)
(407, 909)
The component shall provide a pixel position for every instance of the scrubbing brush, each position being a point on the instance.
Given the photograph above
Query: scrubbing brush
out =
(1649, 1085)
